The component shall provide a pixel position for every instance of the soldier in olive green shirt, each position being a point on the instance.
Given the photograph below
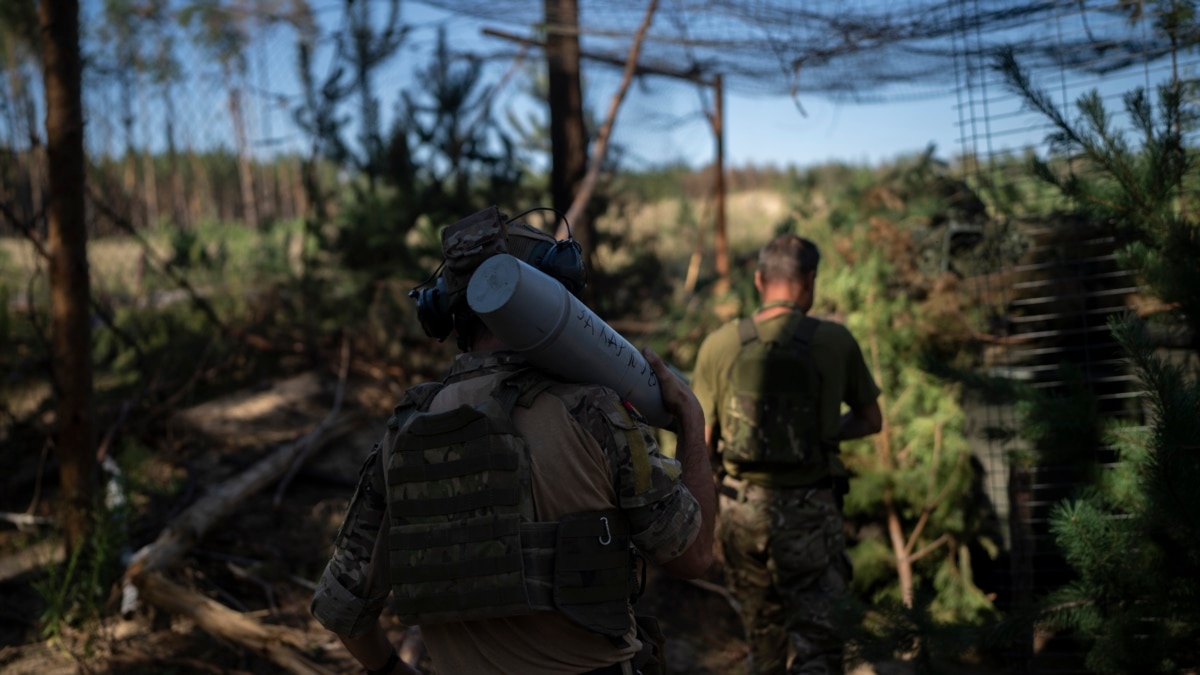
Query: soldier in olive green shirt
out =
(780, 524)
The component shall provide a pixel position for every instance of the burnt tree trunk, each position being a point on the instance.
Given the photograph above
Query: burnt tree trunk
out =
(72, 343)
(568, 137)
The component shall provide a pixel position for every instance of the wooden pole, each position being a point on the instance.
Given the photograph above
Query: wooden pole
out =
(720, 237)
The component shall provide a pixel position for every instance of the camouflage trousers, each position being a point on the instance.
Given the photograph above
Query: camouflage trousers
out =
(785, 561)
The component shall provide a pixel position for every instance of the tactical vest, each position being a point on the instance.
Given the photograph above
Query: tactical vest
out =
(771, 412)
(463, 539)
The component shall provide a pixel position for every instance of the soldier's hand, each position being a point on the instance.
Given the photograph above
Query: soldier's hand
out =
(677, 398)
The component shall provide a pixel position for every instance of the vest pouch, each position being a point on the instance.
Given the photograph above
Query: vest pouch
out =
(592, 571)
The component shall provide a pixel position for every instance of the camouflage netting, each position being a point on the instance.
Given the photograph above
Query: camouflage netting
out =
(848, 50)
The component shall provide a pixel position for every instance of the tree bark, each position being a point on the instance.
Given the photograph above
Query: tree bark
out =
(72, 341)
(568, 135)
(578, 210)
(904, 570)
(180, 213)
(589, 182)
(720, 237)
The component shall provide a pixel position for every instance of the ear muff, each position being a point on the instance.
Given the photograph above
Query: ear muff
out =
(433, 310)
(564, 261)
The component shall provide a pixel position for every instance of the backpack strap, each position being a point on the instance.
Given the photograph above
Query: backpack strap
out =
(747, 331)
(529, 383)
(804, 334)
(416, 399)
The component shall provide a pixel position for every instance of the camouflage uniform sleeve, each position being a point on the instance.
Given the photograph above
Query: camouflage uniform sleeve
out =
(354, 586)
(663, 516)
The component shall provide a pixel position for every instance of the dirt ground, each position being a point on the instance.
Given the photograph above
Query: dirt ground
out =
(261, 560)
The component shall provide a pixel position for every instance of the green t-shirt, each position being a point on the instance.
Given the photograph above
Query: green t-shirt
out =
(845, 378)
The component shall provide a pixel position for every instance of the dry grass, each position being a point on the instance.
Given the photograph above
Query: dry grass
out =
(750, 219)
(113, 261)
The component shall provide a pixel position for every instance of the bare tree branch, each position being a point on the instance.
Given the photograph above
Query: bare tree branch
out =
(303, 456)
(600, 147)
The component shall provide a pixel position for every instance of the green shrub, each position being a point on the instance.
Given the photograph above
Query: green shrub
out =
(74, 592)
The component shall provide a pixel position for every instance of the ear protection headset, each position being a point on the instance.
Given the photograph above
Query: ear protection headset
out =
(562, 260)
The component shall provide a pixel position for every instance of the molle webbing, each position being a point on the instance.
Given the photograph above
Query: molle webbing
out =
(593, 571)
(462, 595)
(463, 542)
(458, 488)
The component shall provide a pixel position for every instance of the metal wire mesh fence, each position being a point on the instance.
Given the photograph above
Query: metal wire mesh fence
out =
(180, 138)
(1052, 292)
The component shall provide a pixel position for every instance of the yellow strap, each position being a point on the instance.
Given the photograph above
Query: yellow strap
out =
(639, 454)
(672, 468)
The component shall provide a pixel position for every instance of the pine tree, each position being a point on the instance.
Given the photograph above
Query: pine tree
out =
(916, 478)
(1133, 537)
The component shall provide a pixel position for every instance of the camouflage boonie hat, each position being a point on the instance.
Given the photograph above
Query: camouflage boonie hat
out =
(470, 241)
(467, 243)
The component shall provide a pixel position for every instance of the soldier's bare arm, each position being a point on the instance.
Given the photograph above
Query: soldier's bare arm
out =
(373, 651)
(692, 453)
(861, 421)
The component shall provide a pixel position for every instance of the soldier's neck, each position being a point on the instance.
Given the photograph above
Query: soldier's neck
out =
(774, 308)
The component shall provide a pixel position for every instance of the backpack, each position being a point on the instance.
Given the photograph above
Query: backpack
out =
(771, 411)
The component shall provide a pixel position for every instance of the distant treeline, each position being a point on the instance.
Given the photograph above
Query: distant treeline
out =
(184, 188)
(178, 189)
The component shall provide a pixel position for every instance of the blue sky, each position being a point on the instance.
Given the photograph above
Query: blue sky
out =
(774, 130)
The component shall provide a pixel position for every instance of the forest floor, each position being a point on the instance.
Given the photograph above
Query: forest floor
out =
(261, 559)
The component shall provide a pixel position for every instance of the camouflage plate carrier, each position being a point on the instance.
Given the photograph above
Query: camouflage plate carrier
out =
(464, 540)
(771, 412)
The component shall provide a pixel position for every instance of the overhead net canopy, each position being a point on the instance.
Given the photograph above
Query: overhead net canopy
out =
(848, 50)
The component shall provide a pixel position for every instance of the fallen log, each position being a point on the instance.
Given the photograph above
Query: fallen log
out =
(25, 519)
(143, 575)
(195, 521)
(283, 646)
(306, 453)
(37, 556)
